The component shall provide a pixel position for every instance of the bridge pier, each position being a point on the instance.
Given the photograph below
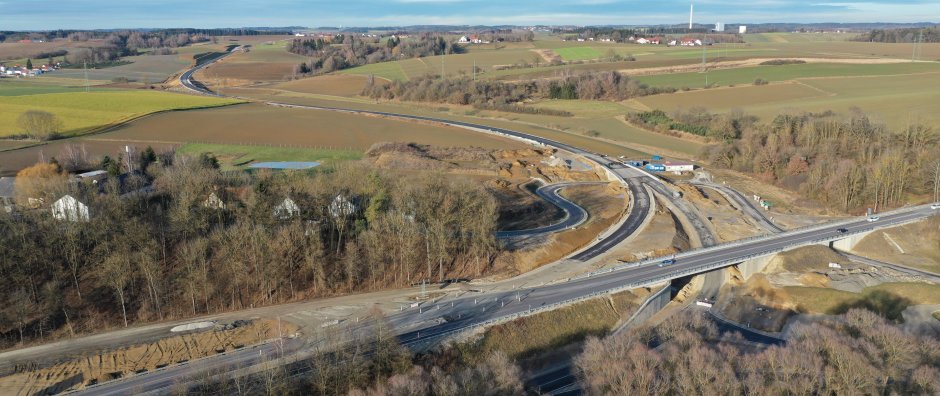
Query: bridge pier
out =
(848, 243)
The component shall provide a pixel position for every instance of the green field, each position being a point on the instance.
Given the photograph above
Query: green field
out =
(33, 86)
(237, 156)
(577, 53)
(893, 99)
(747, 75)
(81, 112)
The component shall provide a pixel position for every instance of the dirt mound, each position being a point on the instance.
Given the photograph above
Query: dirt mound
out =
(176, 348)
(805, 259)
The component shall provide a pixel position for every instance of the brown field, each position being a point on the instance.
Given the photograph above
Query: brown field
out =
(254, 124)
(24, 50)
(245, 72)
(347, 85)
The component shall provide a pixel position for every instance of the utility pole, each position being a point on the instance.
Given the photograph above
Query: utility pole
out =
(474, 71)
(442, 66)
(85, 70)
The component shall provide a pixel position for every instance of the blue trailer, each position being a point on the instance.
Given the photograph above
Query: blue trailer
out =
(637, 164)
(656, 167)
(657, 158)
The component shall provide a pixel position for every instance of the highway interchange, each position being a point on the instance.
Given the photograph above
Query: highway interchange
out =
(430, 321)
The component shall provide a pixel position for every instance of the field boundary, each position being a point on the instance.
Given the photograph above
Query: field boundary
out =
(97, 130)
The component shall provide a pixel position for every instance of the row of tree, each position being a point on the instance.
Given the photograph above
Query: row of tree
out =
(207, 242)
(342, 50)
(905, 35)
(466, 90)
(858, 353)
(845, 161)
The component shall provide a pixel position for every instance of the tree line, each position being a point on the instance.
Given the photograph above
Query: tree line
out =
(903, 35)
(342, 51)
(464, 90)
(856, 353)
(846, 161)
(205, 241)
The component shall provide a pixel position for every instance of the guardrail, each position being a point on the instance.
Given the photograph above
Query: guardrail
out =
(767, 237)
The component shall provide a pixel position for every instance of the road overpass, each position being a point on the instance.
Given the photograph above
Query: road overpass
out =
(430, 321)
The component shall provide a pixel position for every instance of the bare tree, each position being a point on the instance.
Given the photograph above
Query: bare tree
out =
(39, 124)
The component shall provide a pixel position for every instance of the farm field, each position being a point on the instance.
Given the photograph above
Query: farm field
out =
(35, 86)
(237, 157)
(547, 126)
(82, 112)
(577, 53)
(347, 85)
(453, 64)
(17, 51)
(747, 75)
(894, 100)
(256, 132)
(267, 61)
(144, 69)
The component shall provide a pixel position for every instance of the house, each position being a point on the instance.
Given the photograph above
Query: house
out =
(68, 208)
(214, 202)
(653, 40)
(464, 40)
(7, 185)
(690, 42)
(678, 167)
(286, 209)
(342, 207)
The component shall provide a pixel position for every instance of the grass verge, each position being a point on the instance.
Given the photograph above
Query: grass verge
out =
(526, 337)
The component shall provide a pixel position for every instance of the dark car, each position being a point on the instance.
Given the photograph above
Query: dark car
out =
(842, 230)
(667, 262)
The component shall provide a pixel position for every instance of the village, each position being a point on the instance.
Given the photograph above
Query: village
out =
(28, 70)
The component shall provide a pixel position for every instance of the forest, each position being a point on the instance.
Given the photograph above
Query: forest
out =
(345, 50)
(858, 353)
(465, 90)
(846, 161)
(204, 241)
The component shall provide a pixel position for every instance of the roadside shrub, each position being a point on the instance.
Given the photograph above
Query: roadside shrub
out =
(779, 62)
(760, 81)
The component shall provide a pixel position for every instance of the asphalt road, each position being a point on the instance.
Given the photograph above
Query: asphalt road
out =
(744, 204)
(432, 320)
(574, 214)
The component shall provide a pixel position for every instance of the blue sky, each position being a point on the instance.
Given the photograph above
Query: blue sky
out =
(92, 14)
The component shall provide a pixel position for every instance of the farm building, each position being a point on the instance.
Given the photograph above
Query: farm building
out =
(678, 167)
(286, 209)
(70, 209)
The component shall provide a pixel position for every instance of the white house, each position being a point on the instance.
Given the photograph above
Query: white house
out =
(342, 207)
(464, 40)
(286, 209)
(70, 209)
(742, 29)
(214, 202)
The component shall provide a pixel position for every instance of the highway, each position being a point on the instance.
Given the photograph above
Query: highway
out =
(429, 321)
(574, 214)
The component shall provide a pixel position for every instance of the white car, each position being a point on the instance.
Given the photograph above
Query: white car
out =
(872, 219)
(935, 206)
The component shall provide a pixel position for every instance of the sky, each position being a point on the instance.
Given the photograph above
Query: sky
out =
(108, 14)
